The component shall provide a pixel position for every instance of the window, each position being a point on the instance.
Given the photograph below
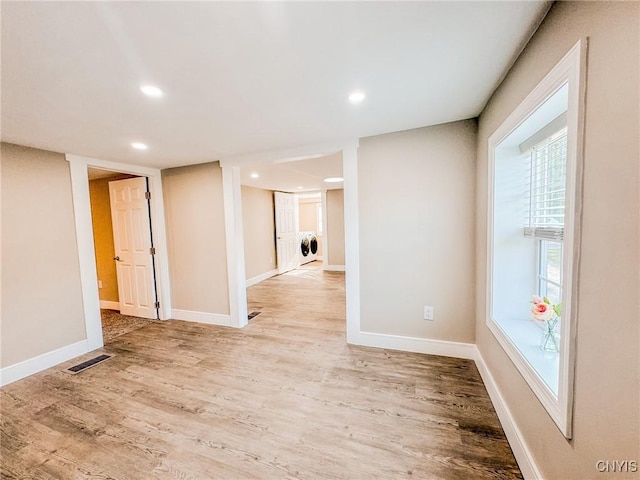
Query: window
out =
(533, 232)
(549, 277)
(545, 221)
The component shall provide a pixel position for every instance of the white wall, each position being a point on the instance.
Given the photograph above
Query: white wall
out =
(416, 207)
(607, 377)
(513, 287)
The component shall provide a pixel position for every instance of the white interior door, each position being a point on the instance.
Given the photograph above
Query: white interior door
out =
(287, 241)
(132, 239)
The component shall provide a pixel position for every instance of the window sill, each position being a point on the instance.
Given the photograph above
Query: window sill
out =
(539, 369)
(525, 336)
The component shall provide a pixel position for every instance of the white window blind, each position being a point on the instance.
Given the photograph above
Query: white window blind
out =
(547, 182)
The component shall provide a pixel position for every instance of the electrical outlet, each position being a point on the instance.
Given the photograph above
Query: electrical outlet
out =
(428, 312)
(99, 283)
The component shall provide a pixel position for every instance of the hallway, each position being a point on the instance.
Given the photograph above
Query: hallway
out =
(306, 296)
(284, 397)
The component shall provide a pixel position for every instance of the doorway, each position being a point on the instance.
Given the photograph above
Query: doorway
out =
(124, 252)
(284, 218)
(232, 170)
(79, 167)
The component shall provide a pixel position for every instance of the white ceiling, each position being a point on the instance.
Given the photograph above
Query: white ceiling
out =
(289, 176)
(244, 77)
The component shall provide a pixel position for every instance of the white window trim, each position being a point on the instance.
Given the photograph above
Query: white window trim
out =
(572, 70)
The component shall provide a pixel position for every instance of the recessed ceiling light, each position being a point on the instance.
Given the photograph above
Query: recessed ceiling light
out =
(139, 146)
(254, 175)
(333, 179)
(151, 91)
(356, 97)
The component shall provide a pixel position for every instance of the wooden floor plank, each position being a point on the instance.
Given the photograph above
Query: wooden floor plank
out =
(283, 398)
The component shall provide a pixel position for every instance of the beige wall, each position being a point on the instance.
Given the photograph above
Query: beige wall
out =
(259, 231)
(103, 238)
(308, 213)
(335, 227)
(607, 404)
(41, 296)
(308, 216)
(194, 213)
(416, 197)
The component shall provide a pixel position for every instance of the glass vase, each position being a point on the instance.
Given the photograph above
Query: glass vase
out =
(550, 341)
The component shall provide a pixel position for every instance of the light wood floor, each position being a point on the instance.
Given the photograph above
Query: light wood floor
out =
(284, 398)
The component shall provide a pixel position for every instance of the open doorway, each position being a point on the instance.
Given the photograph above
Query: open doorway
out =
(124, 251)
(310, 227)
(289, 212)
(84, 235)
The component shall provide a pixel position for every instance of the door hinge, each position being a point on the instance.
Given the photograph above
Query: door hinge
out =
(147, 195)
(157, 304)
(152, 250)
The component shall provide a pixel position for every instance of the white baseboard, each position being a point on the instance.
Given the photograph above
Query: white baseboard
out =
(418, 345)
(201, 317)
(262, 277)
(333, 268)
(521, 451)
(108, 304)
(34, 365)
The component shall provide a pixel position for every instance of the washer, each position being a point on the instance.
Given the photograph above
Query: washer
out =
(308, 247)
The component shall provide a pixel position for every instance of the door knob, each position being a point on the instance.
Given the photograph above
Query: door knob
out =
(117, 259)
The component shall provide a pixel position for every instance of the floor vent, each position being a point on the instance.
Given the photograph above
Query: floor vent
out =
(81, 367)
(252, 315)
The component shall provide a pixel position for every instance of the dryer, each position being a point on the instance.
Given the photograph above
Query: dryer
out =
(308, 247)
